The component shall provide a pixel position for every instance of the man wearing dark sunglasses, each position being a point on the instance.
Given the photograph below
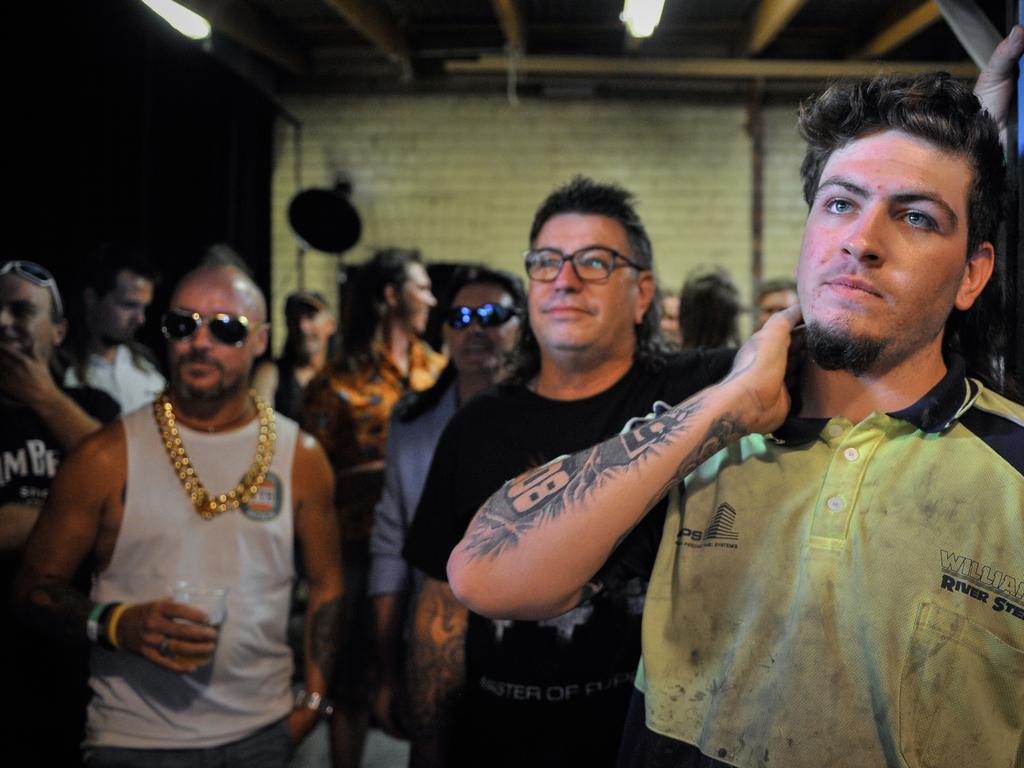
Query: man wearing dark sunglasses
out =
(482, 326)
(40, 421)
(588, 359)
(212, 487)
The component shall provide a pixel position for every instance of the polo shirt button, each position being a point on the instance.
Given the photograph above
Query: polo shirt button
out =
(836, 504)
(834, 430)
(851, 454)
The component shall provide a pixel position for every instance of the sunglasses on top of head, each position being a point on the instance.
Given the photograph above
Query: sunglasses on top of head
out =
(488, 315)
(37, 275)
(182, 325)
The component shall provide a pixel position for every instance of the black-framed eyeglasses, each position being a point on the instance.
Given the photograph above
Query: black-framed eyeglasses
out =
(182, 325)
(488, 315)
(37, 275)
(593, 264)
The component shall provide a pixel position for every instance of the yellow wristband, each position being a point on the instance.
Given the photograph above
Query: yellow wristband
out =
(115, 617)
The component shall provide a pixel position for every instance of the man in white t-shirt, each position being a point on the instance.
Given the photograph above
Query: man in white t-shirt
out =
(103, 352)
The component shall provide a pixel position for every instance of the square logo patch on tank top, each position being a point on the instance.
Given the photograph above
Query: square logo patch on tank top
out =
(265, 504)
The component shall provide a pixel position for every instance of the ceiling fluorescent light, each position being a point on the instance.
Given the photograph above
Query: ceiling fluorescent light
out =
(187, 22)
(641, 16)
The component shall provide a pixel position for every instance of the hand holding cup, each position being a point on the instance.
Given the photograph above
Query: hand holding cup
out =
(180, 633)
(211, 605)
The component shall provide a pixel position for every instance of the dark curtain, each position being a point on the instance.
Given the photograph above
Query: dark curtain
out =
(126, 130)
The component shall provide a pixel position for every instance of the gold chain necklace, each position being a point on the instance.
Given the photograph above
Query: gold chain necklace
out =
(206, 505)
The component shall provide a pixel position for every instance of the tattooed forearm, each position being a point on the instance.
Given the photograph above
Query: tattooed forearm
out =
(324, 629)
(543, 494)
(437, 673)
(57, 609)
(721, 433)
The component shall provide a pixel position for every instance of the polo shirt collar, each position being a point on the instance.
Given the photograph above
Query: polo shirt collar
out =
(936, 412)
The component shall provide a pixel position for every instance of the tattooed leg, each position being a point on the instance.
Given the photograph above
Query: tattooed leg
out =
(437, 672)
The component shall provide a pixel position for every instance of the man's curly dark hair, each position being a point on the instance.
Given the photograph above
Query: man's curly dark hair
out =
(945, 112)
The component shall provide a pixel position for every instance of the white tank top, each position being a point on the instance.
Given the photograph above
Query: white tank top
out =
(137, 704)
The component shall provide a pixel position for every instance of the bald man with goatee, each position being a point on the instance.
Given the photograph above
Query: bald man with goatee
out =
(190, 509)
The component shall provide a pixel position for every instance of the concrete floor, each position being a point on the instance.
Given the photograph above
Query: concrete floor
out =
(381, 751)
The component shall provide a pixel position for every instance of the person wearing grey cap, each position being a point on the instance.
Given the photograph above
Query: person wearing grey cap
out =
(311, 327)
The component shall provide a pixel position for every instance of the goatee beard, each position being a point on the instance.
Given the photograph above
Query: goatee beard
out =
(225, 388)
(834, 349)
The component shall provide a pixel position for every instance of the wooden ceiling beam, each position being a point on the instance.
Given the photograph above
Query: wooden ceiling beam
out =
(250, 28)
(377, 25)
(899, 29)
(511, 20)
(768, 69)
(768, 20)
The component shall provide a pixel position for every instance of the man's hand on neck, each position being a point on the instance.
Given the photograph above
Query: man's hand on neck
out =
(825, 394)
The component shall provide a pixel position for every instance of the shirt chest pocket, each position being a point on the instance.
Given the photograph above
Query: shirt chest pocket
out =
(961, 699)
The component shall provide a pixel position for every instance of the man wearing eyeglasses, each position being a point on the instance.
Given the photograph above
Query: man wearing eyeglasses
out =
(209, 489)
(41, 421)
(589, 359)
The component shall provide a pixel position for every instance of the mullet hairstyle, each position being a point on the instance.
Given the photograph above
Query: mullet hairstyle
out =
(709, 308)
(367, 308)
(590, 198)
(98, 272)
(944, 111)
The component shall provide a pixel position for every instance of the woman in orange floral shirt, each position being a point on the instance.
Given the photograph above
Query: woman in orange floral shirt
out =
(347, 407)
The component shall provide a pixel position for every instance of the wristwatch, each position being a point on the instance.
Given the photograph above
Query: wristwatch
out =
(314, 701)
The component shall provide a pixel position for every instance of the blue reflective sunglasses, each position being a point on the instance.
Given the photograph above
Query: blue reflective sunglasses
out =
(488, 315)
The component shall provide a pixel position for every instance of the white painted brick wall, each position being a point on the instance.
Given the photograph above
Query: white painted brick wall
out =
(460, 176)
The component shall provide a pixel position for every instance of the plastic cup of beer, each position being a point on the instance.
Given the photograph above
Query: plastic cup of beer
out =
(210, 600)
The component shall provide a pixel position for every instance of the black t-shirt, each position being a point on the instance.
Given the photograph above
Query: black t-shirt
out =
(30, 454)
(39, 674)
(553, 692)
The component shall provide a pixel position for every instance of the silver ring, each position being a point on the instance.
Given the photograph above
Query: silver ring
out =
(164, 648)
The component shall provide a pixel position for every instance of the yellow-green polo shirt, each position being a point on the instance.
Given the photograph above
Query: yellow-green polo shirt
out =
(849, 594)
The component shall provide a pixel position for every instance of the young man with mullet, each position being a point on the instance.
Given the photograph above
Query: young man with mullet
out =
(843, 581)
(208, 486)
